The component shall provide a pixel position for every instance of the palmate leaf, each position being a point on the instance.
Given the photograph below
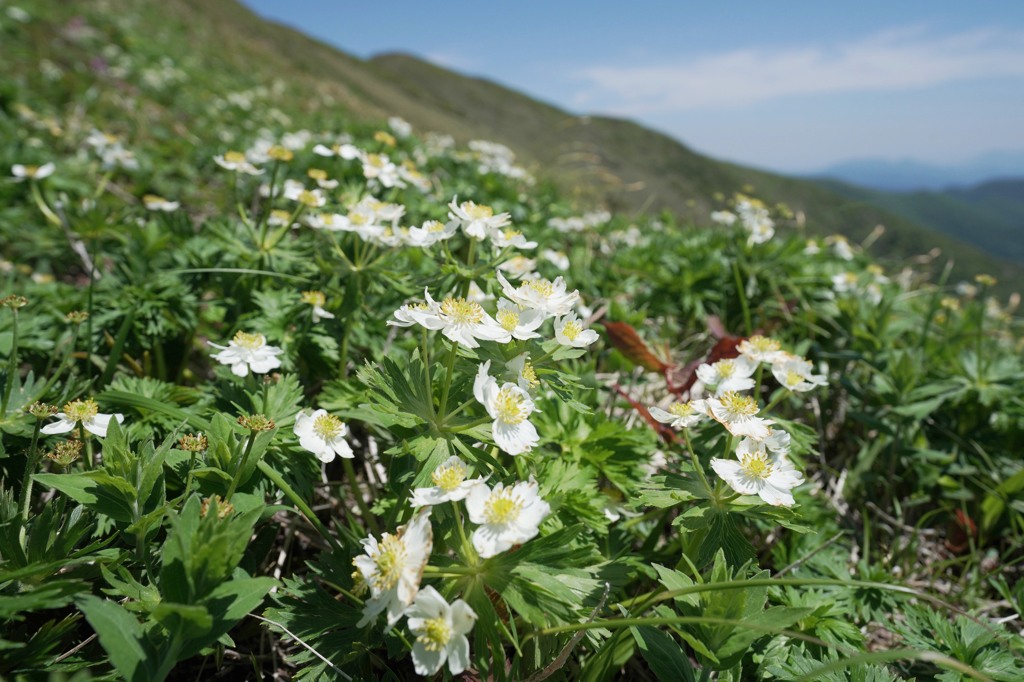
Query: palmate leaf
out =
(96, 490)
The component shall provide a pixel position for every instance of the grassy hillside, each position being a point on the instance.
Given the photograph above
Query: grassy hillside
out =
(989, 216)
(224, 48)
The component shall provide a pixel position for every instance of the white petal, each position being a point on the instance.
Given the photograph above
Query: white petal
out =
(427, 662)
(476, 500)
(732, 473)
(515, 439)
(63, 425)
(458, 654)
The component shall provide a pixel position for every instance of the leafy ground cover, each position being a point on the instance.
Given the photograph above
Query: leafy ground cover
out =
(329, 399)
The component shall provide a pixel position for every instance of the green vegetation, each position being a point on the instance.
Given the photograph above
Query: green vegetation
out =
(286, 389)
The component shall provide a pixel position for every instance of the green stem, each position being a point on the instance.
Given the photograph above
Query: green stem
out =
(44, 207)
(448, 379)
(429, 384)
(468, 550)
(290, 493)
(696, 463)
(742, 293)
(353, 485)
(12, 365)
(705, 674)
(241, 465)
(450, 570)
(26, 486)
(87, 460)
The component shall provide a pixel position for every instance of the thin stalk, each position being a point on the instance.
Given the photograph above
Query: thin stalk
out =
(742, 293)
(448, 379)
(357, 493)
(450, 570)
(468, 551)
(26, 486)
(429, 384)
(44, 207)
(696, 463)
(290, 493)
(87, 460)
(12, 365)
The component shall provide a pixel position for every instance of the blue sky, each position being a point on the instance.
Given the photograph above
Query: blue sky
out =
(794, 88)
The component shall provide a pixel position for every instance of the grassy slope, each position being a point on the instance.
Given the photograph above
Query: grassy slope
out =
(226, 47)
(990, 215)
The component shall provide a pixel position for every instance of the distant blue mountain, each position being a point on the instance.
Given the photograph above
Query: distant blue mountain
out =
(909, 175)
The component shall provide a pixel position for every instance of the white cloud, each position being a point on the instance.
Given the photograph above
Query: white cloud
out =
(893, 60)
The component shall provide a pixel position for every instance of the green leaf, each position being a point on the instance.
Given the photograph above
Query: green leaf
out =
(195, 620)
(97, 490)
(665, 657)
(122, 637)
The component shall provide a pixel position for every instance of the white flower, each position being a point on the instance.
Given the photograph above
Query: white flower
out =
(732, 374)
(681, 415)
(812, 248)
(248, 351)
(518, 321)
(521, 370)
(476, 220)
(737, 413)
(152, 202)
(431, 232)
(513, 238)
(85, 412)
(440, 632)
(541, 294)
(345, 151)
(22, 172)
(510, 408)
(569, 331)
(770, 476)
(518, 266)
(378, 167)
(509, 516)
(450, 484)
(461, 321)
(236, 161)
(841, 247)
(399, 126)
(756, 222)
(393, 568)
(416, 313)
(323, 434)
(760, 349)
(723, 217)
(844, 282)
(556, 258)
(796, 375)
(317, 300)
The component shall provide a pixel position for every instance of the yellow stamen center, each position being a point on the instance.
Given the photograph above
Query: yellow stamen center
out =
(280, 153)
(390, 561)
(461, 311)
(436, 634)
(571, 330)
(328, 427)
(541, 286)
(508, 406)
(317, 174)
(249, 341)
(501, 507)
(726, 368)
(739, 406)
(477, 211)
(314, 297)
(234, 157)
(448, 478)
(309, 198)
(358, 218)
(508, 319)
(434, 226)
(756, 466)
(793, 378)
(530, 375)
(81, 410)
(511, 234)
(681, 409)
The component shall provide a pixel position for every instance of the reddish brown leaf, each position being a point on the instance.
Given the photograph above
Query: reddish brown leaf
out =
(629, 343)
